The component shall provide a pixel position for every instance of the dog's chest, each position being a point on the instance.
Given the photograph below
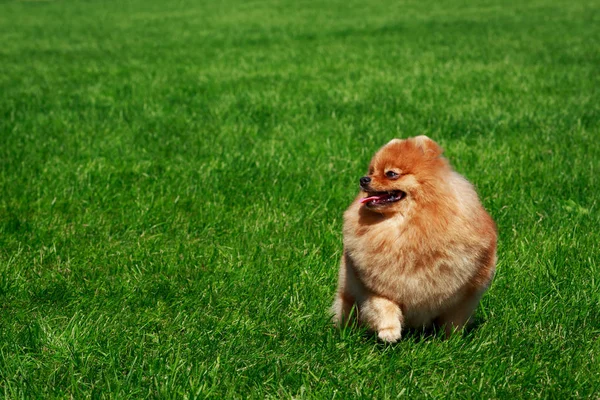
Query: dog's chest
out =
(380, 251)
(398, 263)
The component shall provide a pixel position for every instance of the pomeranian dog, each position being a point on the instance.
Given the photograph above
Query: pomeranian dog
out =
(419, 249)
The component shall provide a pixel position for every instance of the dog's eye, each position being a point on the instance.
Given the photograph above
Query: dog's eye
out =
(391, 174)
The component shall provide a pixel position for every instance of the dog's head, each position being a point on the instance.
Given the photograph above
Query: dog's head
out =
(399, 172)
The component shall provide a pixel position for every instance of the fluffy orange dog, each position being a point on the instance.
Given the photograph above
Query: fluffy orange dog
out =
(419, 248)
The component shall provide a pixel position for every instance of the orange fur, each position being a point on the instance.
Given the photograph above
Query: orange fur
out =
(427, 257)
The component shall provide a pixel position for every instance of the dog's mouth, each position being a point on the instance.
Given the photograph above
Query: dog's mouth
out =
(382, 198)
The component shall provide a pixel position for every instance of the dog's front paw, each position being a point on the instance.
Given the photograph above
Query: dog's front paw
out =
(389, 335)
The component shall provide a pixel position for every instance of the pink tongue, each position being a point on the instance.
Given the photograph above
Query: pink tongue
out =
(368, 199)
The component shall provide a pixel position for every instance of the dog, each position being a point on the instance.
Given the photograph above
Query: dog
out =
(419, 248)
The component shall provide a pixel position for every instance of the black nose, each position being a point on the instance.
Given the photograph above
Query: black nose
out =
(365, 180)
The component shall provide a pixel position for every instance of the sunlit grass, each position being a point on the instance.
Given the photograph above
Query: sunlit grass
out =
(173, 177)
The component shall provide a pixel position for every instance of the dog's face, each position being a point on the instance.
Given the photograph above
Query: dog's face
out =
(399, 172)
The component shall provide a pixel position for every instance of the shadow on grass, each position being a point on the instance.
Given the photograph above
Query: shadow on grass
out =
(425, 334)
(435, 332)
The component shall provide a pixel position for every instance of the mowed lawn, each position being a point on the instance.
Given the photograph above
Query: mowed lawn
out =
(173, 177)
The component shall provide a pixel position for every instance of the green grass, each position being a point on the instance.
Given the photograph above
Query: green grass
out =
(173, 177)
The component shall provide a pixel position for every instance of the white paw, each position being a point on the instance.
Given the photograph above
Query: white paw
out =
(389, 335)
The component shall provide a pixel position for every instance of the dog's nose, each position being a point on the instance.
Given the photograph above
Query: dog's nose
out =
(365, 180)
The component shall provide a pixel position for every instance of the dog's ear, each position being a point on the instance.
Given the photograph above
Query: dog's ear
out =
(428, 146)
(394, 141)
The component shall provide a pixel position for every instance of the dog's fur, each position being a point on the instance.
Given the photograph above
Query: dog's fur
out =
(424, 259)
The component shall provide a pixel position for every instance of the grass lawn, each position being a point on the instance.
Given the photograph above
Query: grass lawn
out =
(173, 176)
